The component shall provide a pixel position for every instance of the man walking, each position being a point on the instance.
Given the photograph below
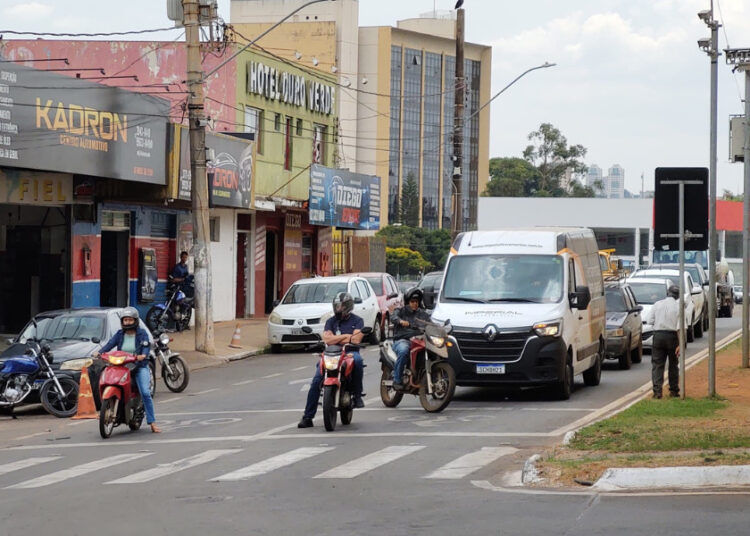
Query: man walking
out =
(665, 317)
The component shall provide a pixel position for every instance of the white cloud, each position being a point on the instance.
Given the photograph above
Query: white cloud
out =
(29, 10)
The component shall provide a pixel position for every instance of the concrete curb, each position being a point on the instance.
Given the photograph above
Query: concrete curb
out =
(639, 478)
(529, 473)
(244, 355)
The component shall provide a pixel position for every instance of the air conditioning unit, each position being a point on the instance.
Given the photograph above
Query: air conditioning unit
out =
(737, 138)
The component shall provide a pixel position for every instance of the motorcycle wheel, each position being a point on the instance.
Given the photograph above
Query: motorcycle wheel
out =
(63, 404)
(178, 380)
(186, 315)
(153, 318)
(443, 387)
(390, 397)
(137, 420)
(107, 417)
(329, 408)
(347, 409)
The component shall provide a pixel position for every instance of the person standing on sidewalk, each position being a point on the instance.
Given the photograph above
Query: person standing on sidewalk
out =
(665, 317)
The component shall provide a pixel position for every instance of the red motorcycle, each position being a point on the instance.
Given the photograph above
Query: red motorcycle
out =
(337, 366)
(121, 401)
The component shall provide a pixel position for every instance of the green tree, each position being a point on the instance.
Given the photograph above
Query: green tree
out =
(510, 177)
(728, 195)
(551, 155)
(410, 201)
(576, 189)
(404, 261)
(433, 245)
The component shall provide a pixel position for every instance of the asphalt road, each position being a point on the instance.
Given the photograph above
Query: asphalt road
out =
(231, 460)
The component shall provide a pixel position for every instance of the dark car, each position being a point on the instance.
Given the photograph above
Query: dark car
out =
(73, 335)
(623, 326)
(430, 285)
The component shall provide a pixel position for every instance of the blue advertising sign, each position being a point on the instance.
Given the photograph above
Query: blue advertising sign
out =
(340, 198)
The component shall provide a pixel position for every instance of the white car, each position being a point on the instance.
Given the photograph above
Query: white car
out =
(648, 291)
(308, 302)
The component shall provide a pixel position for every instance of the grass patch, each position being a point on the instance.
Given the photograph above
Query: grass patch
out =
(663, 425)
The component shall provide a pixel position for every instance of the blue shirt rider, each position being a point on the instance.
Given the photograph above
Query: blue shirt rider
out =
(343, 328)
(180, 270)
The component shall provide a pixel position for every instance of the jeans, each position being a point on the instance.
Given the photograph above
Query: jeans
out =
(665, 347)
(317, 384)
(142, 376)
(401, 347)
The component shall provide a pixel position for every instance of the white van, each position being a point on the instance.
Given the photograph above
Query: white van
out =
(527, 307)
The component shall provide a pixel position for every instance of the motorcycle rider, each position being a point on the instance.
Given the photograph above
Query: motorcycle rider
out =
(343, 328)
(180, 270)
(406, 326)
(134, 340)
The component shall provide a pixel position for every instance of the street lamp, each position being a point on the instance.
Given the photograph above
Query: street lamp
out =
(711, 47)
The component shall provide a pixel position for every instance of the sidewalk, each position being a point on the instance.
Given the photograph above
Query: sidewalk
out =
(253, 340)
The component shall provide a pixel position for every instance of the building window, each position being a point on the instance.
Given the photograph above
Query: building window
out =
(277, 122)
(307, 254)
(299, 127)
(253, 123)
(319, 147)
(288, 139)
(215, 227)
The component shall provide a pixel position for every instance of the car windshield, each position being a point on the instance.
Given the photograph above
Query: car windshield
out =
(504, 278)
(431, 281)
(313, 293)
(65, 327)
(615, 301)
(648, 293)
(377, 284)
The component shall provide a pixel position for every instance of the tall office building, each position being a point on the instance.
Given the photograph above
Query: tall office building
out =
(615, 182)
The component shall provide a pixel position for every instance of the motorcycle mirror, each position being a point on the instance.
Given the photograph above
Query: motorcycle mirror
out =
(307, 329)
(45, 348)
(50, 356)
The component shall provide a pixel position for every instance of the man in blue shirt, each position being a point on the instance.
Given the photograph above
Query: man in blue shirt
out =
(342, 328)
(180, 270)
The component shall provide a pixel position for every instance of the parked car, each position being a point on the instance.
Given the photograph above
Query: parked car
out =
(73, 335)
(430, 285)
(308, 302)
(737, 293)
(388, 294)
(648, 291)
(623, 326)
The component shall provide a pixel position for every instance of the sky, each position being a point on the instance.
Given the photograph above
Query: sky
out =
(630, 83)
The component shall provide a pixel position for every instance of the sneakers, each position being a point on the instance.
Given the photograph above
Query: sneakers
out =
(305, 423)
(674, 394)
(358, 402)
(656, 395)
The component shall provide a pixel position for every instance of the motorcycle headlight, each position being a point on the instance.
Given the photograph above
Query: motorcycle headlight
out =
(274, 318)
(618, 332)
(164, 339)
(117, 360)
(76, 364)
(436, 341)
(548, 329)
(331, 362)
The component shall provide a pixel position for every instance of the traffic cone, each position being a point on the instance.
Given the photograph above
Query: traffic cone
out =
(86, 407)
(236, 343)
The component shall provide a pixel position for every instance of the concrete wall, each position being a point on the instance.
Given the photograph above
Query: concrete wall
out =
(224, 265)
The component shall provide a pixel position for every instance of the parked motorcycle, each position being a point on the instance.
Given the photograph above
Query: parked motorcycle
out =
(121, 401)
(337, 366)
(177, 309)
(427, 373)
(32, 371)
(174, 370)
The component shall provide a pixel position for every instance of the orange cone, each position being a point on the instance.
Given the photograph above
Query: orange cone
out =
(86, 407)
(236, 343)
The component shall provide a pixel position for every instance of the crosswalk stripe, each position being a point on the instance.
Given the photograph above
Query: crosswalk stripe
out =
(174, 467)
(468, 463)
(78, 470)
(266, 466)
(372, 461)
(23, 464)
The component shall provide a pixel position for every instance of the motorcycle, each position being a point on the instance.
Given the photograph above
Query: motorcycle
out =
(31, 371)
(337, 366)
(121, 401)
(177, 309)
(174, 370)
(427, 373)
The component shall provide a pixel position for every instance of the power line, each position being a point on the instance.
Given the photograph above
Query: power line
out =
(100, 34)
(726, 39)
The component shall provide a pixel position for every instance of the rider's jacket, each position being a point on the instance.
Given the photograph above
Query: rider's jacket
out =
(409, 315)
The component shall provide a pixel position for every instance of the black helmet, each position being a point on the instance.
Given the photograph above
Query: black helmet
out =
(414, 292)
(129, 312)
(674, 292)
(343, 305)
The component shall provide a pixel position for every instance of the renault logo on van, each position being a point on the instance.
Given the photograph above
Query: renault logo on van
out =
(490, 332)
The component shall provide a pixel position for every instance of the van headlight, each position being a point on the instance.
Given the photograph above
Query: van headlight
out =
(331, 362)
(436, 341)
(548, 329)
(76, 364)
(274, 318)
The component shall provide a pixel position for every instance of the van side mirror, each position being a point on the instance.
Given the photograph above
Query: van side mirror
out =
(580, 299)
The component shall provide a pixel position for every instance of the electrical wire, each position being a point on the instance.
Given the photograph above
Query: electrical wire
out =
(100, 34)
(726, 40)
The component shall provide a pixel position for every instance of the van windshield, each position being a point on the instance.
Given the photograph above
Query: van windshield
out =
(504, 278)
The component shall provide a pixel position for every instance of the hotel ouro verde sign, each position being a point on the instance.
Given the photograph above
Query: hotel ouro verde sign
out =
(289, 88)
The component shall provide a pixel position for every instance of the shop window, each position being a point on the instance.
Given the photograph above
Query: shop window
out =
(319, 137)
(307, 254)
(277, 122)
(288, 139)
(215, 229)
(254, 124)
(299, 127)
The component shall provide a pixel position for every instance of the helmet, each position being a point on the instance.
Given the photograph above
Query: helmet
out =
(343, 305)
(412, 293)
(673, 291)
(129, 312)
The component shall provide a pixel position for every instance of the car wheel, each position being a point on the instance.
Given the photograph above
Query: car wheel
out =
(625, 360)
(275, 348)
(637, 353)
(593, 375)
(374, 338)
(689, 333)
(698, 328)
(705, 320)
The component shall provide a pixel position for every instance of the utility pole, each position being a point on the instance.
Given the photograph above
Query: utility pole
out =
(458, 128)
(204, 324)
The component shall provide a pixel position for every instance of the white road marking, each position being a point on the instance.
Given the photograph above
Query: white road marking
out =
(469, 463)
(304, 388)
(266, 466)
(367, 463)
(300, 368)
(76, 423)
(166, 469)
(244, 383)
(168, 400)
(206, 391)
(23, 464)
(78, 470)
(32, 435)
(295, 382)
(270, 376)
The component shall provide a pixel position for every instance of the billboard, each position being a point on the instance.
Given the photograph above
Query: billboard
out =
(54, 122)
(340, 198)
(667, 203)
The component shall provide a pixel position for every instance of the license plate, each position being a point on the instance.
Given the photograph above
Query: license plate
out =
(297, 331)
(494, 368)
